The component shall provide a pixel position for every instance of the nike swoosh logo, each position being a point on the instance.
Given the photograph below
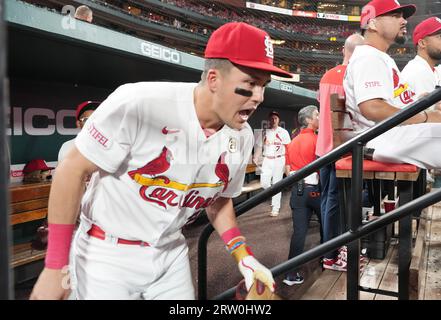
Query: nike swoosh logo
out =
(169, 131)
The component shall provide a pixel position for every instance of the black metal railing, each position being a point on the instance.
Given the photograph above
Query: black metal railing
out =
(355, 145)
(349, 236)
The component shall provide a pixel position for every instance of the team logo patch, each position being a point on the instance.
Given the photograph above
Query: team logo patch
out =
(269, 47)
(232, 145)
(438, 19)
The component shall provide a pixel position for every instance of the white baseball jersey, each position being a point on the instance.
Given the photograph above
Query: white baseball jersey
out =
(420, 76)
(159, 170)
(373, 74)
(273, 142)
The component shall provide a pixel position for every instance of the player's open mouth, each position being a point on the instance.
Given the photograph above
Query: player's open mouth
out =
(404, 30)
(245, 114)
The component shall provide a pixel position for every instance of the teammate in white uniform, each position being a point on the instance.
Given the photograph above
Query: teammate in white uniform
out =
(375, 91)
(420, 73)
(273, 141)
(160, 154)
(83, 112)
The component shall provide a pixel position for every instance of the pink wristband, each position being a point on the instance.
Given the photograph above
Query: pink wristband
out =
(230, 234)
(58, 247)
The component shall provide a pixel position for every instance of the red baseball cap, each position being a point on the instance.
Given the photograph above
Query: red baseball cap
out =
(244, 45)
(86, 105)
(426, 28)
(36, 164)
(377, 8)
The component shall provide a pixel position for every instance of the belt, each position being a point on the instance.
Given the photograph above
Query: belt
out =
(99, 233)
(274, 157)
(307, 184)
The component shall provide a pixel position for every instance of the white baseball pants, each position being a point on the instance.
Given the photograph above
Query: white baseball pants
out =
(109, 271)
(272, 172)
(417, 144)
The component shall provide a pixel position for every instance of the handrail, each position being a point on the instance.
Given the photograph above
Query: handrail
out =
(385, 125)
(392, 216)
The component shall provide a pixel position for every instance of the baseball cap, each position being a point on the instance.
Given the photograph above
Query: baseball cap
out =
(34, 165)
(86, 105)
(275, 113)
(377, 8)
(426, 28)
(243, 45)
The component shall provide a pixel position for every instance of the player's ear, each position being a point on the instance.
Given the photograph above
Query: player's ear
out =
(372, 24)
(421, 43)
(212, 79)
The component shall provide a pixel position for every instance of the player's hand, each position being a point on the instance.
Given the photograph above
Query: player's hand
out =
(51, 285)
(252, 269)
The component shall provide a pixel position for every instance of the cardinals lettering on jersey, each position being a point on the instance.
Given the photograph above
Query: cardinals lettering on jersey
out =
(159, 189)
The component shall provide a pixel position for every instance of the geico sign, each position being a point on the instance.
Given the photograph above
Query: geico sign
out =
(161, 53)
(23, 120)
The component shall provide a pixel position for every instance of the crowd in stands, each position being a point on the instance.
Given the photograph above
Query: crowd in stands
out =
(272, 22)
(263, 20)
(266, 21)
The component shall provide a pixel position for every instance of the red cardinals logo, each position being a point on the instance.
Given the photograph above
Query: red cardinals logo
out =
(401, 90)
(222, 170)
(157, 166)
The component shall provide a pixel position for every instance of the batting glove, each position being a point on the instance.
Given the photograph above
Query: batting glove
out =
(252, 269)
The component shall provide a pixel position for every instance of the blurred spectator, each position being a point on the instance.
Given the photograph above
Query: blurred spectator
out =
(83, 112)
(84, 13)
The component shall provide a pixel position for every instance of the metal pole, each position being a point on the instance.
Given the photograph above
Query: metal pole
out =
(6, 289)
(405, 242)
(353, 273)
(202, 262)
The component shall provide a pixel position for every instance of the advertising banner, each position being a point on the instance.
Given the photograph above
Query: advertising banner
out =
(41, 117)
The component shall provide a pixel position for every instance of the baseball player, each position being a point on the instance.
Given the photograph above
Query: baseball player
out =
(420, 73)
(375, 90)
(83, 112)
(160, 153)
(273, 141)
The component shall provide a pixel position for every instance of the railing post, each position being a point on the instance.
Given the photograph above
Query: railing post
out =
(355, 216)
(6, 289)
(202, 262)
(405, 241)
